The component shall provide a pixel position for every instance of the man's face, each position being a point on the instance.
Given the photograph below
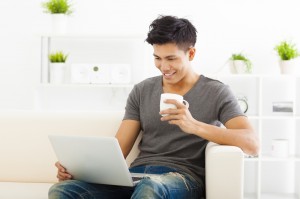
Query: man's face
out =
(173, 62)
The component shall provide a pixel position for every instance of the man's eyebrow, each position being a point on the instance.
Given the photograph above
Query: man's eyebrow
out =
(169, 56)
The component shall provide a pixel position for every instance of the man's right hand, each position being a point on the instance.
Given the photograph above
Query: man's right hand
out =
(62, 173)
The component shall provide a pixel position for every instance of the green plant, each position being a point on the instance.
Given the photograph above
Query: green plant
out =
(57, 7)
(58, 57)
(287, 50)
(242, 57)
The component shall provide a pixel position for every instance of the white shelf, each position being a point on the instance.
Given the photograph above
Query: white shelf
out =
(94, 36)
(272, 159)
(278, 196)
(269, 158)
(74, 85)
(253, 75)
(264, 94)
(277, 117)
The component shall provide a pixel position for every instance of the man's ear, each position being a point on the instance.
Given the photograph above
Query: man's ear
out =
(192, 52)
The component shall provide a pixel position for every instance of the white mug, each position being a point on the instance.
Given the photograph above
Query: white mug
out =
(280, 148)
(165, 96)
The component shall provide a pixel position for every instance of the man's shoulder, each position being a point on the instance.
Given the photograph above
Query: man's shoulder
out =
(213, 83)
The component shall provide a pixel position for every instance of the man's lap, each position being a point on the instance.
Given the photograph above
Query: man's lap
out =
(169, 184)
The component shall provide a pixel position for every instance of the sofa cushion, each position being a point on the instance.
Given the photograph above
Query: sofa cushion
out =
(24, 143)
(14, 190)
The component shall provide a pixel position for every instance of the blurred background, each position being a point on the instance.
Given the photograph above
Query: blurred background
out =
(253, 27)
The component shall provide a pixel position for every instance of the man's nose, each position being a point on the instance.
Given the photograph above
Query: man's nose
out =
(165, 66)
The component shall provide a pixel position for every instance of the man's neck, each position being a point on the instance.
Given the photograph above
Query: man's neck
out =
(182, 86)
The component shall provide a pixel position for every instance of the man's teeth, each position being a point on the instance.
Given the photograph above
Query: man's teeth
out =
(169, 74)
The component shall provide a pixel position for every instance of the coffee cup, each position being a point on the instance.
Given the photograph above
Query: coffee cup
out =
(165, 96)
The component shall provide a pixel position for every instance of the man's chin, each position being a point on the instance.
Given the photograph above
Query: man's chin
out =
(169, 80)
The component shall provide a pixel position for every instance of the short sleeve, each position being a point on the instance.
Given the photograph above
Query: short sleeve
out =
(228, 106)
(132, 108)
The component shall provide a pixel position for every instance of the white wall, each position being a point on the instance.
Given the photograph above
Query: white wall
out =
(224, 27)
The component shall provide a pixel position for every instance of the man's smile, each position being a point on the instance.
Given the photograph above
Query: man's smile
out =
(169, 75)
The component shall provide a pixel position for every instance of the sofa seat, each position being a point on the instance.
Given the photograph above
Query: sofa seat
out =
(18, 190)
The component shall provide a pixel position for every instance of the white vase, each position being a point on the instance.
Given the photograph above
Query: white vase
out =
(231, 67)
(59, 24)
(287, 66)
(238, 67)
(57, 73)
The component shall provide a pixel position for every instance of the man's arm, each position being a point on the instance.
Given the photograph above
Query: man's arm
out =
(238, 132)
(127, 134)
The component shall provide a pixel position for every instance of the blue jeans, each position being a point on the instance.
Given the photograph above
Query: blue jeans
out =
(169, 185)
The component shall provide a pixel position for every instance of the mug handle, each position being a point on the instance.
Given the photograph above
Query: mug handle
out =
(186, 103)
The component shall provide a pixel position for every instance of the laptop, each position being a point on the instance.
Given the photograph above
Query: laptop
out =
(94, 159)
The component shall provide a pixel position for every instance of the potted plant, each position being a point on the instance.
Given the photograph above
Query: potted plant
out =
(240, 64)
(57, 67)
(59, 9)
(287, 53)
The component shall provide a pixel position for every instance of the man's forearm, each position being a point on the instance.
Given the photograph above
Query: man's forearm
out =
(243, 138)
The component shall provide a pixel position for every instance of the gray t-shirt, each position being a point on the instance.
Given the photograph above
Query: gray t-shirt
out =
(164, 144)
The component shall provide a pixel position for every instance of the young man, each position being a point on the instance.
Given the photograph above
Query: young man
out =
(172, 145)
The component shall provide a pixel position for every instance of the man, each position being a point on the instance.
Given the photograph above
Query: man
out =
(172, 145)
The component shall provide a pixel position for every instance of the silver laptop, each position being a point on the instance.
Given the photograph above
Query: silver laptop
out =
(94, 159)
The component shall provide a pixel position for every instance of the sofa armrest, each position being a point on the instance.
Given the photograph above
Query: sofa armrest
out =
(224, 171)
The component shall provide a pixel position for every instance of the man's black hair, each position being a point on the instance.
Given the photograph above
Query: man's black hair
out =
(170, 29)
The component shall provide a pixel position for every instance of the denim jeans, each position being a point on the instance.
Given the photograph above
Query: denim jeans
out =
(171, 184)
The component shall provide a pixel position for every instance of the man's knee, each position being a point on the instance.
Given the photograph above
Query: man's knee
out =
(149, 188)
(62, 190)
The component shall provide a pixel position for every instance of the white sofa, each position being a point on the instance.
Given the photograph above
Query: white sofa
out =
(27, 160)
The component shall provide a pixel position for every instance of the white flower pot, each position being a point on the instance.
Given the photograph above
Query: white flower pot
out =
(59, 24)
(232, 67)
(57, 73)
(238, 67)
(287, 66)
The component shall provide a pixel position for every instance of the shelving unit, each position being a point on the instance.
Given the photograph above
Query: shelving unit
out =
(268, 177)
(95, 48)
(90, 49)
